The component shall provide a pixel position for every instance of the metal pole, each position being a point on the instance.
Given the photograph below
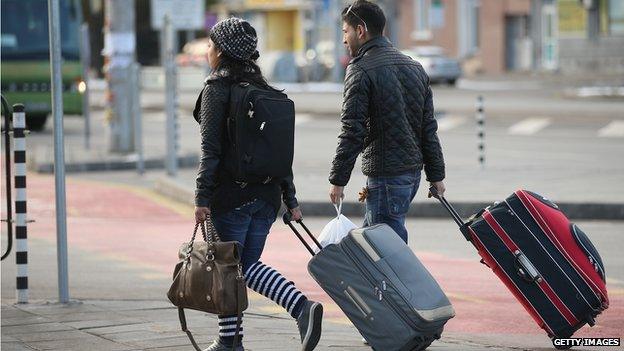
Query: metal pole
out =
(21, 242)
(85, 55)
(480, 117)
(136, 109)
(336, 26)
(171, 98)
(7, 170)
(59, 151)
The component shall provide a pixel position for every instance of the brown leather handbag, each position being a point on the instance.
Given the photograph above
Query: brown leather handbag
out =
(209, 278)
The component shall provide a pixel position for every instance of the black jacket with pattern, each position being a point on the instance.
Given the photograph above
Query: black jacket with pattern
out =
(214, 187)
(387, 115)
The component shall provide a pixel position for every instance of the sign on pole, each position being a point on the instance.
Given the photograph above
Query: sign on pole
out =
(183, 14)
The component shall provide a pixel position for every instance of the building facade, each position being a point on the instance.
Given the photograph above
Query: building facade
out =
(495, 36)
(488, 36)
(579, 36)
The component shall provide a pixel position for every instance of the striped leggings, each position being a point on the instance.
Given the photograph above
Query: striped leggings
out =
(266, 281)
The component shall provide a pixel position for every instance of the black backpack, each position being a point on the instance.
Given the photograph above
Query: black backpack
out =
(261, 131)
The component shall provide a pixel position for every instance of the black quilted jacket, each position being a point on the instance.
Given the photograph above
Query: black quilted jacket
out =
(214, 186)
(387, 115)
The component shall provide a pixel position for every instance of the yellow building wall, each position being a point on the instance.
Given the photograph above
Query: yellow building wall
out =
(281, 29)
(572, 17)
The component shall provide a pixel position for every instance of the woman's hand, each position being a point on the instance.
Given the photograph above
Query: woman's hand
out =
(201, 213)
(296, 214)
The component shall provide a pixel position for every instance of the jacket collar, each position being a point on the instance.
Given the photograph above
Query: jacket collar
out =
(380, 41)
(217, 74)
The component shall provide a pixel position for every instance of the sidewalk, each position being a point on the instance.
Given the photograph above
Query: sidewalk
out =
(120, 325)
(191, 78)
(122, 242)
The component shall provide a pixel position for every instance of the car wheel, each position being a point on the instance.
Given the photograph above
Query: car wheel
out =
(452, 81)
(36, 122)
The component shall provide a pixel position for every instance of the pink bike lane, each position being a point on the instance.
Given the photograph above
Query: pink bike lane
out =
(136, 227)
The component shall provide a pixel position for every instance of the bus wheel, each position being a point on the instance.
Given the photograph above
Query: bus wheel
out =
(36, 122)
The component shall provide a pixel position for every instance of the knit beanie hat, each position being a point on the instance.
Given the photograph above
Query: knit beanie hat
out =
(230, 35)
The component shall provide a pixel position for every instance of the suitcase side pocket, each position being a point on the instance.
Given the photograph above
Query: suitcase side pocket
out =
(589, 249)
(358, 301)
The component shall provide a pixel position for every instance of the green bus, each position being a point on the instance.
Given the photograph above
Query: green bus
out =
(25, 58)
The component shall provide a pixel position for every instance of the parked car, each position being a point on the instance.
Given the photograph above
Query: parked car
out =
(193, 53)
(438, 66)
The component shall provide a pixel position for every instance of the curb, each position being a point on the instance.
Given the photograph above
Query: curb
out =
(176, 191)
(187, 161)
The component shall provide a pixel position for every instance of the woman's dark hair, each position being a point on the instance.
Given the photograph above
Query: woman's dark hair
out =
(237, 71)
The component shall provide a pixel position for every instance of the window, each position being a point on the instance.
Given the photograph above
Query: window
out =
(468, 27)
(474, 26)
(616, 17)
(422, 20)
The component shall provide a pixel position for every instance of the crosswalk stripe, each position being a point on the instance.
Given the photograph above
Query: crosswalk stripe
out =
(450, 122)
(613, 130)
(529, 126)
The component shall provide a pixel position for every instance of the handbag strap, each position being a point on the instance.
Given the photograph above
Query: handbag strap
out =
(190, 248)
(212, 230)
(182, 317)
(239, 320)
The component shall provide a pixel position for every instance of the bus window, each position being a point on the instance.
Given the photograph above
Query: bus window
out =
(25, 30)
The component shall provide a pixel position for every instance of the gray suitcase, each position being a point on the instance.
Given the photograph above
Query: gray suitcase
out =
(382, 287)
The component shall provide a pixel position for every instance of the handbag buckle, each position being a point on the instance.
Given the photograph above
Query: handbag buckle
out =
(240, 272)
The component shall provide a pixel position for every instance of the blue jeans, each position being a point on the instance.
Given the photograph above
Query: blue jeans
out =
(249, 225)
(389, 199)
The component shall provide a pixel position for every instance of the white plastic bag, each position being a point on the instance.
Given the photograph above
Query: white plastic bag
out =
(336, 229)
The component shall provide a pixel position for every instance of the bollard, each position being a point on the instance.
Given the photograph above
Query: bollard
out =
(7, 169)
(480, 117)
(21, 247)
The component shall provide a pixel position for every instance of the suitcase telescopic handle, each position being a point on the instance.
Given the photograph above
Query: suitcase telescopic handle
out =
(287, 217)
(463, 226)
(434, 192)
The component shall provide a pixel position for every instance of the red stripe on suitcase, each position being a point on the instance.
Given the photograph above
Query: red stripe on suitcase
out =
(541, 222)
(552, 296)
(511, 245)
(543, 285)
(509, 283)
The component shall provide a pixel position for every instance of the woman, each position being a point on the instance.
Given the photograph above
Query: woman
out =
(244, 214)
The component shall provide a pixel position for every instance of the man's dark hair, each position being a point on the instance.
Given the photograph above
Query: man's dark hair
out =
(367, 14)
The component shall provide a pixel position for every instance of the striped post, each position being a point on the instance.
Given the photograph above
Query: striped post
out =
(480, 116)
(21, 247)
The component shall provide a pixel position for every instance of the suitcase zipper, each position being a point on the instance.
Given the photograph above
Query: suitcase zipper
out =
(378, 292)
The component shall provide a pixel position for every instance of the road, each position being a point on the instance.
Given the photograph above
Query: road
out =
(123, 240)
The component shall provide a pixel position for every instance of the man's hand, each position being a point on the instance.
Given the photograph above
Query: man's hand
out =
(336, 193)
(296, 214)
(439, 186)
(201, 213)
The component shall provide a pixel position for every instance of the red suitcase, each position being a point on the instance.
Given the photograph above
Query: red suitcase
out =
(548, 263)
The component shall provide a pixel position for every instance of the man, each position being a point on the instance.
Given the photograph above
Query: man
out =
(387, 115)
